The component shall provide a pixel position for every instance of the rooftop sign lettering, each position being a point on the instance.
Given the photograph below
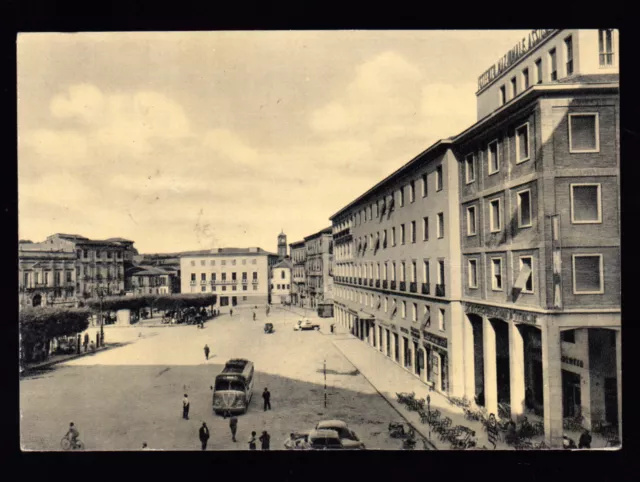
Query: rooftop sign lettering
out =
(513, 55)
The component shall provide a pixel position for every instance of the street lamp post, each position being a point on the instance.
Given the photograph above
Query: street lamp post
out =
(101, 296)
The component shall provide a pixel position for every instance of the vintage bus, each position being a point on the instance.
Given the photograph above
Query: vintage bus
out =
(233, 387)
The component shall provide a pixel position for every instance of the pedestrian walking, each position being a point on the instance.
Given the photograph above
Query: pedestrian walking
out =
(233, 425)
(206, 351)
(585, 440)
(266, 395)
(252, 441)
(254, 316)
(204, 435)
(231, 312)
(185, 407)
(265, 439)
(145, 446)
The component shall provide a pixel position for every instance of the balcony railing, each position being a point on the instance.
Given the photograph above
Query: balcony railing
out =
(440, 290)
(413, 287)
(426, 288)
(254, 281)
(385, 284)
(377, 283)
(393, 285)
(244, 281)
(371, 282)
(403, 286)
(360, 281)
(192, 283)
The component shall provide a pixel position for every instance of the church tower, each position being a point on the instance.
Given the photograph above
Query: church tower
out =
(282, 245)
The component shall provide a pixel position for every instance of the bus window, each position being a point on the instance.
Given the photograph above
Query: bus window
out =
(235, 385)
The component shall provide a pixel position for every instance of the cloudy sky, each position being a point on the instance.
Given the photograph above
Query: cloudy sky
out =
(196, 140)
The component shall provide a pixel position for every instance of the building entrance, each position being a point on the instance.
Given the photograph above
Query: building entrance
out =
(571, 399)
(224, 301)
(419, 359)
(388, 343)
(396, 349)
(37, 300)
(611, 400)
(234, 300)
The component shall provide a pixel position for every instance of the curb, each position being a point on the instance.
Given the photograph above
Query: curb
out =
(390, 402)
(55, 362)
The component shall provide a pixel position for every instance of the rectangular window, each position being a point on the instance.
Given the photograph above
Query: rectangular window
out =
(401, 197)
(193, 263)
(493, 157)
(503, 95)
(469, 169)
(213, 276)
(568, 50)
(495, 217)
(255, 275)
(441, 271)
(524, 208)
(441, 322)
(393, 271)
(414, 312)
(393, 236)
(584, 132)
(425, 271)
(539, 71)
(471, 221)
(514, 87)
(526, 263)
(553, 67)
(414, 272)
(69, 277)
(203, 276)
(385, 270)
(404, 309)
(425, 228)
(402, 238)
(568, 336)
(224, 276)
(472, 267)
(203, 262)
(496, 274)
(203, 288)
(413, 232)
(386, 304)
(525, 79)
(425, 187)
(412, 191)
(403, 272)
(522, 143)
(605, 44)
(384, 239)
(193, 276)
(586, 203)
(213, 262)
(439, 180)
(223, 262)
(440, 225)
(587, 274)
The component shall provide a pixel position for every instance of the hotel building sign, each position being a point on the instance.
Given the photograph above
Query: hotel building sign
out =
(513, 55)
(502, 313)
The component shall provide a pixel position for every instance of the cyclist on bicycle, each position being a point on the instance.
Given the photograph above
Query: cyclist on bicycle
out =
(73, 434)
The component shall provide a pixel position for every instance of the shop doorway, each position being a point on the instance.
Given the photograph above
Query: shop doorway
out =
(37, 300)
(407, 352)
(611, 400)
(571, 399)
(419, 359)
(435, 369)
(224, 301)
(388, 343)
(234, 300)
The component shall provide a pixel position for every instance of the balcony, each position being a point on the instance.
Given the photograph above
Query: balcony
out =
(413, 287)
(385, 284)
(403, 286)
(360, 281)
(371, 282)
(244, 281)
(426, 288)
(377, 283)
(192, 283)
(393, 284)
(440, 290)
(254, 281)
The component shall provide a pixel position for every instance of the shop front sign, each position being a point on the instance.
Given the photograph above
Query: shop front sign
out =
(572, 361)
(502, 313)
(435, 339)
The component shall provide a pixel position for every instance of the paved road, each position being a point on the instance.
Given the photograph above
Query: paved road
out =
(124, 396)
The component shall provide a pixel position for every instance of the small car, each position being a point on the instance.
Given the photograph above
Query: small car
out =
(324, 440)
(268, 327)
(305, 324)
(348, 437)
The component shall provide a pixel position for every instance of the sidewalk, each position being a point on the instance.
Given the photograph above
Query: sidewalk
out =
(388, 379)
(55, 359)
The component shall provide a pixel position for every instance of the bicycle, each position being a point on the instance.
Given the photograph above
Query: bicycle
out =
(67, 444)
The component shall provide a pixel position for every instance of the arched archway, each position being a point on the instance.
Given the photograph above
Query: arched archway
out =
(37, 300)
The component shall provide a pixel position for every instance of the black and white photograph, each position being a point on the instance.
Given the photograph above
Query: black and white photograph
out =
(303, 240)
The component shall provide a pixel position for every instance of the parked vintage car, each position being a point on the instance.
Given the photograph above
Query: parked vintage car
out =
(347, 436)
(322, 436)
(305, 324)
(324, 439)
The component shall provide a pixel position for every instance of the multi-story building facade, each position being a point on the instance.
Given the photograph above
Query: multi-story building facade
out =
(47, 275)
(150, 280)
(397, 259)
(239, 276)
(281, 282)
(298, 273)
(540, 232)
(319, 267)
(525, 314)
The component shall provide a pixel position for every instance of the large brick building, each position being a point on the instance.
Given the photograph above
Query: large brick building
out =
(525, 317)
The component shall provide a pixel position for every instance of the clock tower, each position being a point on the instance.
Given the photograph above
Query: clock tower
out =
(282, 245)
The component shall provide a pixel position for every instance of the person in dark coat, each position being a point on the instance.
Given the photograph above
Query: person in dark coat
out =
(252, 441)
(265, 440)
(206, 351)
(585, 440)
(231, 312)
(185, 407)
(254, 316)
(233, 425)
(266, 395)
(204, 435)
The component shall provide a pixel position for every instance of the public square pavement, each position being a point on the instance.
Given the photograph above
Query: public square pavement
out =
(132, 394)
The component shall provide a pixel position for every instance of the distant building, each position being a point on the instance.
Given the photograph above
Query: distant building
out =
(281, 282)
(298, 273)
(319, 267)
(151, 280)
(239, 276)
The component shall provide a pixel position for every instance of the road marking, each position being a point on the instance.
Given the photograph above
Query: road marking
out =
(163, 371)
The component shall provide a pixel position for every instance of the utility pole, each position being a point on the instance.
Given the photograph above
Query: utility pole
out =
(325, 383)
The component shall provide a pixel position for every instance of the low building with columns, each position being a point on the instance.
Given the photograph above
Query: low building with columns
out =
(517, 227)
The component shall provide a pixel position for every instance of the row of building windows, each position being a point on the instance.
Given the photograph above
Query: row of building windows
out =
(372, 271)
(224, 288)
(203, 276)
(391, 305)
(605, 44)
(56, 278)
(282, 286)
(108, 254)
(381, 207)
(223, 262)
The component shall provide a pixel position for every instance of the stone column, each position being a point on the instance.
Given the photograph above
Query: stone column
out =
(456, 358)
(516, 371)
(469, 359)
(582, 339)
(490, 367)
(393, 347)
(552, 381)
(619, 379)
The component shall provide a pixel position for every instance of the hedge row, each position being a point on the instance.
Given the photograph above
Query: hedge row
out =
(41, 324)
(156, 302)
